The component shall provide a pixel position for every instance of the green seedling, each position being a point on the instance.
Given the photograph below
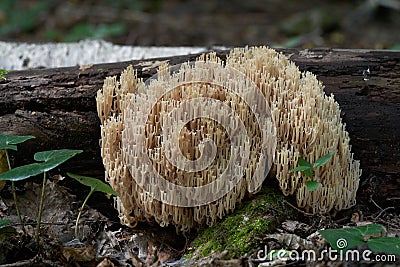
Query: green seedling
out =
(344, 239)
(10, 142)
(4, 223)
(95, 185)
(2, 73)
(308, 169)
(47, 160)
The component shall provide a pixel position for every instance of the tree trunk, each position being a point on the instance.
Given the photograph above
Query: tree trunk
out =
(58, 107)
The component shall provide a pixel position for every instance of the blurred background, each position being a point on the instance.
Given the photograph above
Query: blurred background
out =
(373, 24)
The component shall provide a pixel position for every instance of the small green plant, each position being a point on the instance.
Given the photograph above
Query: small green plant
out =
(4, 223)
(308, 169)
(344, 239)
(46, 161)
(95, 185)
(10, 142)
(2, 73)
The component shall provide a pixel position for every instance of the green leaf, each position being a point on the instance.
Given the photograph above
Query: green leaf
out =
(323, 160)
(56, 154)
(346, 238)
(303, 162)
(305, 167)
(51, 159)
(93, 183)
(22, 172)
(300, 168)
(390, 245)
(4, 223)
(309, 172)
(10, 141)
(2, 73)
(312, 185)
(369, 229)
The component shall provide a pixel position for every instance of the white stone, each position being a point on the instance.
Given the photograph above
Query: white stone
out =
(18, 56)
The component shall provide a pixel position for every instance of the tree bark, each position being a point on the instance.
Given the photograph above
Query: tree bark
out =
(58, 107)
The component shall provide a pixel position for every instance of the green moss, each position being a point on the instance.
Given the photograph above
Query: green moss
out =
(238, 231)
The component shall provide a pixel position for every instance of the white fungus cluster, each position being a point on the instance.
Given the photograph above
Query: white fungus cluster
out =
(137, 138)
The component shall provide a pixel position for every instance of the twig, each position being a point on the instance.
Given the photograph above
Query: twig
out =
(341, 220)
(397, 227)
(35, 223)
(375, 203)
(296, 208)
(381, 212)
(59, 223)
(29, 262)
(393, 198)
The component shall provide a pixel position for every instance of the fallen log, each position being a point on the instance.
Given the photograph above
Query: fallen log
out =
(58, 107)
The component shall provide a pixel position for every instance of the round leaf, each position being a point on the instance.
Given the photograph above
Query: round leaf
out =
(93, 183)
(51, 159)
(56, 154)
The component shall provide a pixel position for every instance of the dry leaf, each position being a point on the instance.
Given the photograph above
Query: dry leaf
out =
(106, 263)
(84, 254)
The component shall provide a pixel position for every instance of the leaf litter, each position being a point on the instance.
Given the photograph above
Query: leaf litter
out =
(102, 242)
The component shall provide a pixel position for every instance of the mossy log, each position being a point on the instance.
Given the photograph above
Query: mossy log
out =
(58, 107)
(238, 231)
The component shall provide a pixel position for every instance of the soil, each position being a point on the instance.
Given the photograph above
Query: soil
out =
(103, 240)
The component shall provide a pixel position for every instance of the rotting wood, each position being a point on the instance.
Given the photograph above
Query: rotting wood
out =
(58, 106)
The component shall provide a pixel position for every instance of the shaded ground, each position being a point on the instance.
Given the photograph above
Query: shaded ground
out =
(266, 222)
(346, 24)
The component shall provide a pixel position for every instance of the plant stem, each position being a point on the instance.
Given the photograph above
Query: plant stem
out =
(15, 196)
(40, 209)
(79, 214)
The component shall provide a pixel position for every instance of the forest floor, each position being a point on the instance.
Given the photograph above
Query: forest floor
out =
(260, 224)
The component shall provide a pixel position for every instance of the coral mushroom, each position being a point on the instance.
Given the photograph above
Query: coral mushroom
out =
(186, 145)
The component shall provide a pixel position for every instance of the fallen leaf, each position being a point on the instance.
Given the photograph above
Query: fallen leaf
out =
(106, 263)
(84, 254)
(136, 261)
